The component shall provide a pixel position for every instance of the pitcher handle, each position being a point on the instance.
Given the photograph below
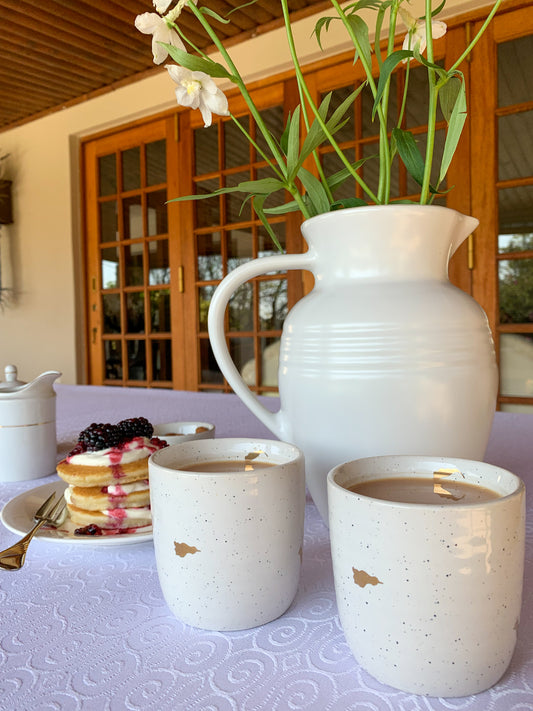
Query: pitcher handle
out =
(215, 324)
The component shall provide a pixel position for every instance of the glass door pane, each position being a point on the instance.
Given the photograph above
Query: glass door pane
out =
(515, 233)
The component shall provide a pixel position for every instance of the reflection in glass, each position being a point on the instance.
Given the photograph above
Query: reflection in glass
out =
(515, 209)
(110, 268)
(131, 168)
(158, 268)
(514, 135)
(242, 354)
(273, 118)
(135, 312)
(205, 294)
(113, 360)
(515, 407)
(269, 361)
(111, 312)
(107, 175)
(156, 162)
(516, 364)
(157, 213)
(133, 264)
(162, 360)
(206, 149)
(133, 217)
(272, 304)
(515, 287)
(209, 371)
(236, 145)
(370, 169)
(160, 311)
(240, 247)
(515, 82)
(136, 360)
(236, 209)
(509, 243)
(209, 259)
(207, 211)
(240, 307)
(108, 221)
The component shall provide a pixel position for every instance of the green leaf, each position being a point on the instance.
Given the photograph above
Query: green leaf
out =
(409, 153)
(265, 186)
(348, 202)
(379, 24)
(360, 30)
(316, 193)
(284, 140)
(322, 23)
(388, 66)
(258, 208)
(291, 206)
(197, 64)
(337, 179)
(207, 11)
(453, 134)
(293, 141)
(448, 96)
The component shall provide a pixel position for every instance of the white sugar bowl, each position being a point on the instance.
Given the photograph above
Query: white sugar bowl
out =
(28, 443)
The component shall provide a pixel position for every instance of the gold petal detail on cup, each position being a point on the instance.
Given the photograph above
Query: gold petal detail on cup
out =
(182, 549)
(362, 578)
(437, 486)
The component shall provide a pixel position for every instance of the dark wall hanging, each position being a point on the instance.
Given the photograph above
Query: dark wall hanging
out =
(6, 213)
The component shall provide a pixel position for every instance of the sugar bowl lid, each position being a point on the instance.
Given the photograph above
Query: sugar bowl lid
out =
(11, 381)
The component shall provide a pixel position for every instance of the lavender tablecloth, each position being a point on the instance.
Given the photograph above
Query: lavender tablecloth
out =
(87, 629)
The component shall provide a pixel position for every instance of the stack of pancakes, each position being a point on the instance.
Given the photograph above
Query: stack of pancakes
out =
(109, 494)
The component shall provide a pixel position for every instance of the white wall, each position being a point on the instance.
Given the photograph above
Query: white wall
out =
(42, 328)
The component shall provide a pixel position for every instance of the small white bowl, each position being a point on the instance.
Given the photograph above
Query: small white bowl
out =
(178, 432)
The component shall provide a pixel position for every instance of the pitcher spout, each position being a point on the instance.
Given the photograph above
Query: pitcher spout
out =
(465, 227)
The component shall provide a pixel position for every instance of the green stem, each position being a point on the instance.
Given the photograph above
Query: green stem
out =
(302, 86)
(432, 110)
(237, 79)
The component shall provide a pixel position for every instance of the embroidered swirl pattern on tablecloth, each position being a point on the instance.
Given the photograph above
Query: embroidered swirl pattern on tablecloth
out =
(87, 629)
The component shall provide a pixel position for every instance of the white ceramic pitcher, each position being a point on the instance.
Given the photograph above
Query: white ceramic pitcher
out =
(28, 444)
(384, 356)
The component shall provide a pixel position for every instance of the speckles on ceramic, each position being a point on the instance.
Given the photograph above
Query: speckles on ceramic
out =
(443, 621)
(246, 526)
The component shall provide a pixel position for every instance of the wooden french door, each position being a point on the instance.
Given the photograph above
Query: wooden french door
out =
(153, 265)
(502, 196)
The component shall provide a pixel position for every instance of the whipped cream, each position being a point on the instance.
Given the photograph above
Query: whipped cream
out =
(125, 489)
(135, 449)
(129, 513)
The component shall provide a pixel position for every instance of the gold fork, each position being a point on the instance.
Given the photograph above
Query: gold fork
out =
(13, 557)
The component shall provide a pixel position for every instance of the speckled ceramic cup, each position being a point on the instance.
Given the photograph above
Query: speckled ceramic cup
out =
(228, 544)
(429, 595)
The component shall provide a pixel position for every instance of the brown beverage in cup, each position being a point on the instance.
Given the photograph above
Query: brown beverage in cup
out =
(415, 490)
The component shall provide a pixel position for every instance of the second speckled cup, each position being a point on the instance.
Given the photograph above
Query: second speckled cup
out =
(428, 594)
(228, 544)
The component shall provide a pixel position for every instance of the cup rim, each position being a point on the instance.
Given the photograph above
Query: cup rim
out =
(458, 462)
(294, 454)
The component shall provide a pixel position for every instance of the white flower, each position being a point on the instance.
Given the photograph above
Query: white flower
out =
(151, 24)
(198, 91)
(416, 37)
(161, 5)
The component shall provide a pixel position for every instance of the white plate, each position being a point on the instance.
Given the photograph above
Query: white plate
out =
(17, 515)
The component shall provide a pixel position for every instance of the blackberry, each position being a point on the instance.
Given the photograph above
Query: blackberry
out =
(100, 435)
(91, 530)
(135, 427)
(80, 448)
